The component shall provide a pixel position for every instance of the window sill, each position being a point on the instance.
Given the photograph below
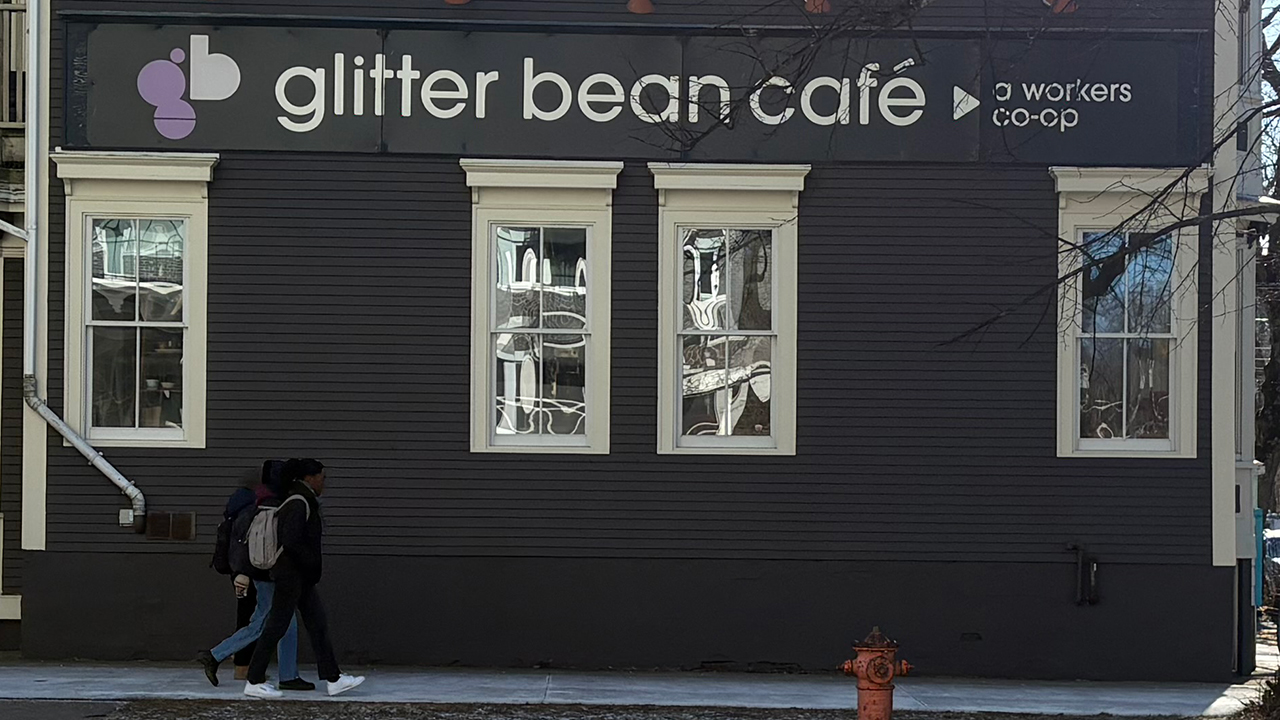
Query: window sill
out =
(141, 442)
(1123, 452)
(540, 449)
(726, 450)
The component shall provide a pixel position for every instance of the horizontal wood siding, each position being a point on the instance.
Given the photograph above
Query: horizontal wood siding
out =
(1033, 14)
(339, 328)
(339, 319)
(11, 425)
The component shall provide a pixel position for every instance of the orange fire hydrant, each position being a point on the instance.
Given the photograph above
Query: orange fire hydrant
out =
(875, 667)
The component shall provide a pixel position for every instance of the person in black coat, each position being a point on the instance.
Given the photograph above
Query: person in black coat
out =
(300, 534)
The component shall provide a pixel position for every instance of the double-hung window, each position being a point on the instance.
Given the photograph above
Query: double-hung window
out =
(136, 255)
(539, 333)
(726, 334)
(540, 305)
(1127, 305)
(1126, 338)
(727, 307)
(136, 323)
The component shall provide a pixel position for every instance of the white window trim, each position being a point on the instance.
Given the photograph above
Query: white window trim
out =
(1100, 199)
(122, 184)
(542, 192)
(728, 195)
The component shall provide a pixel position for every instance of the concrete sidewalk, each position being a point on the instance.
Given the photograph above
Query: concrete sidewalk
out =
(31, 681)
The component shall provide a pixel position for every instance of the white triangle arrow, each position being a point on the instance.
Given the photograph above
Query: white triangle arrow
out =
(963, 103)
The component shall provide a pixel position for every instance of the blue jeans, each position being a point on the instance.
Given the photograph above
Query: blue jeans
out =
(286, 650)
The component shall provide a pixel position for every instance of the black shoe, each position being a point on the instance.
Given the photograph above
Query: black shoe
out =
(205, 658)
(297, 684)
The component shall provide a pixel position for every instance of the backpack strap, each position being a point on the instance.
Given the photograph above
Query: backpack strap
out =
(306, 505)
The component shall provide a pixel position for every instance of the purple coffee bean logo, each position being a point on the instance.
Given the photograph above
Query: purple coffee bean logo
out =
(162, 84)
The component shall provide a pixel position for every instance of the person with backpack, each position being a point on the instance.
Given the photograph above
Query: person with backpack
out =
(231, 557)
(289, 542)
(242, 498)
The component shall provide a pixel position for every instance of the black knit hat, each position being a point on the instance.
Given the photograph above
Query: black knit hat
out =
(272, 475)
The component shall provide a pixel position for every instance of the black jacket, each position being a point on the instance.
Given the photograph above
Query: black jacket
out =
(301, 536)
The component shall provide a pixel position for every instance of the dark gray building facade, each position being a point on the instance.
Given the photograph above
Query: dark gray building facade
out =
(704, 338)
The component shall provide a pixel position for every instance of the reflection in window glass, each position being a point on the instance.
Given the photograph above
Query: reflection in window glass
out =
(1149, 280)
(1147, 388)
(136, 322)
(1127, 321)
(1102, 387)
(115, 281)
(727, 334)
(564, 384)
(160, 383)
(1102, 284)
(516, 293)
(702, 381)
(748, 385)
(540, 336)
(516, 357)
(160, 250)
(750, 280)
(704, 270)
(564, 279)
(115, 368)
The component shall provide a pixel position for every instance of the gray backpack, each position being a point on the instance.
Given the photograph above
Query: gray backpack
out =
(262, 539)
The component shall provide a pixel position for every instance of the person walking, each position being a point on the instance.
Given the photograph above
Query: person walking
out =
(245, 604)
(253, 587)
(242, 498)
(296, 573)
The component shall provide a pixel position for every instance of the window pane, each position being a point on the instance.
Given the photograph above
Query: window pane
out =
(750, 279)
(749, 385)
(1101, 388)
(115, 263)
(703, 280)
(1147, 403)
(564, 269)
(160, 251)
(564, 383)
(703, 384)
(1150, 284)
(1102, 283)
(703, 378)
(516, 384)
(515, 277)
(160, 387)
(114, 396)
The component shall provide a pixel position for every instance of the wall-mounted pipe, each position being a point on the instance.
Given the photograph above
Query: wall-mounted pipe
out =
(13, 230)
(91, 454)
(1086, 576)
(33, 175)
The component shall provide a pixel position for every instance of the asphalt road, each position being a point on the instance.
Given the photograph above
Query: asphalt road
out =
(259, 710)
(50, 710)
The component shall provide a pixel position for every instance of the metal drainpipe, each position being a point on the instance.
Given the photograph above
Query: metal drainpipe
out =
(32, 174)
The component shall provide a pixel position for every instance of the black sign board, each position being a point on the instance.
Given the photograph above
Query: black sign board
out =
(525, 94)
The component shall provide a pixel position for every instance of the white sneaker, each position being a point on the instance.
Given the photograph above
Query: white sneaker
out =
(343, 684)
(265, 690)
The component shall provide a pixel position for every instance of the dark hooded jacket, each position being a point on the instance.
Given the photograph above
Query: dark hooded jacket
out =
(301, 535)
(239, 500)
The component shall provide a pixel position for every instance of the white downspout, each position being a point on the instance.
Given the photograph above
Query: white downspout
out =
(33, 175)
